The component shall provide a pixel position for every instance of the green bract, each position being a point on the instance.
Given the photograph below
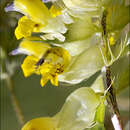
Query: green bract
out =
(83, 66)
(79, 110)
(121, 75)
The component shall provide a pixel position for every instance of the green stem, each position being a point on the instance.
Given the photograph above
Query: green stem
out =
(111, 99)
(14, 100)
(111, 96)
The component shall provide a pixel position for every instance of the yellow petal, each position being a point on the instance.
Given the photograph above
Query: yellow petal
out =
(48, 72)
(58, 53)
(66, 56)
(46, 68)
(44, 80)
(36, 48)
(111, 40)
(57, 60)
(35, 9)
(41, 124)
(18, 33)
(54, 80)
(24, 28)
(54, 11)
(28, 65)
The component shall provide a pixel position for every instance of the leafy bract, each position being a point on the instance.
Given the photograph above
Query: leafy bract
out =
(98, 86)
(84, 28)
(84, 66)
(120, 72)
(79, 110)
(77, 47)
(117, 13)
(100, 113)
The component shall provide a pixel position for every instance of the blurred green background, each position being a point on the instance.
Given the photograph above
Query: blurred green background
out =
(34, 100)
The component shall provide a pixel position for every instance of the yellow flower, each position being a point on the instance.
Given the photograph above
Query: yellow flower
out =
(42, 59)
(26, 26)
(53, 63)
(46, 123)
(38, 18)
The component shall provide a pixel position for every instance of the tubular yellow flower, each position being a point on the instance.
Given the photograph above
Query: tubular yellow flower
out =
(26, 26)
(56, 62)
(46, 123)
(43, 60)
(38, 18)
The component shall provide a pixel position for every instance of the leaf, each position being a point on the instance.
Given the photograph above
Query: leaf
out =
(83, 66)
(80, 7)
(99, 126)
(83, 28)
(121, 42)
(100, 113)
(120, 70)
(79, 46)
(98, 86)
(78, 112)
(117, 13)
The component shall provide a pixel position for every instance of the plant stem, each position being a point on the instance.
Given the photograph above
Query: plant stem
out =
(111, 99)
(111, 96)
(14, 100)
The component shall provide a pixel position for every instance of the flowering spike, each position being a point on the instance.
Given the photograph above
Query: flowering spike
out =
(54, 80)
